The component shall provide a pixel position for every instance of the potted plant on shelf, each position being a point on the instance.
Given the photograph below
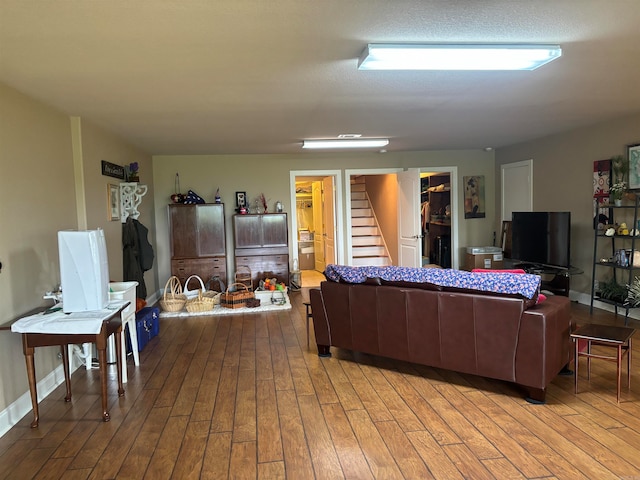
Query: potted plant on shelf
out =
(620, 168)
(612, 290)
(633, 294)
(617, 192)
(132, 172)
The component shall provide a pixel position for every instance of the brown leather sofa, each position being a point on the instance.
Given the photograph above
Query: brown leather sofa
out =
(488, 335)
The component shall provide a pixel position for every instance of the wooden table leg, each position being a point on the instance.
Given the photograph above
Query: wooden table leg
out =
(589, 360)
(64, 350)
(575, 366)
(618, 362)
(31, 375)
(629, 350)
(119, 360)
(102, 361)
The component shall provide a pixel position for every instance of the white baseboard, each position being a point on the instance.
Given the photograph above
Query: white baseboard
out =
(585, 299)
(153, 299)
(11, 415)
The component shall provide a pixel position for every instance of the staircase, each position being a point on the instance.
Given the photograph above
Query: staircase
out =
(367, 244)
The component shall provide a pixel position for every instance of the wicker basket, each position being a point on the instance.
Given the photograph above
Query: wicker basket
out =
(173, 300)
(201, 303)
(200, 300)
(193, 293)
(237, 299)
(243, 275)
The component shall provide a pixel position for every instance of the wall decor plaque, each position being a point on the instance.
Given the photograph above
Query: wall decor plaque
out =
(112, 170)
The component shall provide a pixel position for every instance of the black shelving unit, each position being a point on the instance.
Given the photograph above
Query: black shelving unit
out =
(624, 273)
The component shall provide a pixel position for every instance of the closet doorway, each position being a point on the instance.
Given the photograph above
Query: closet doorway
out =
(315, 223)
(436, 215)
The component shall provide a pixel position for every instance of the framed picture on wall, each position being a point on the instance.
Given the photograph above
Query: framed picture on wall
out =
(633, 154)
(113, 202)
(241, 199)
(474, 196)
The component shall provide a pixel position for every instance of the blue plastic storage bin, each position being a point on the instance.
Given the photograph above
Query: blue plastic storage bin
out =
(147, 326)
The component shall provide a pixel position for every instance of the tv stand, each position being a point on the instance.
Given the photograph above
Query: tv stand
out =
(557, 280)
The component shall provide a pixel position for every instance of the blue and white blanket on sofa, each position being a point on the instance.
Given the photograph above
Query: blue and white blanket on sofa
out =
(526, 285)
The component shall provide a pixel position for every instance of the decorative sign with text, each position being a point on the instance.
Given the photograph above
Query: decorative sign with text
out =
(112, 170)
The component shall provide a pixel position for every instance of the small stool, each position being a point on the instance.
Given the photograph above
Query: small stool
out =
(611, 336)
(309, 318)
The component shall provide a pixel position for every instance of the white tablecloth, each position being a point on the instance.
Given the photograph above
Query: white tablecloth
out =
(77, 323)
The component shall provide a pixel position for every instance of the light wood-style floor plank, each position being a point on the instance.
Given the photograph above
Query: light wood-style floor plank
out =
(403, 452)
(217, 456)
(297, 459)
(166, 452)
(268, 423)
(382, 463)
(354, 464)
(271, 471)
(241, 396)
(321, 448)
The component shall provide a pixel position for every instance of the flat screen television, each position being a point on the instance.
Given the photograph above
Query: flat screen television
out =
(541, 238)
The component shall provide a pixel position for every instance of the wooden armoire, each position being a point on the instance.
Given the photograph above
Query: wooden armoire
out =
(198, 245)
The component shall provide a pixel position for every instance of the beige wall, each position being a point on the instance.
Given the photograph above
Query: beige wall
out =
(270, 174)
(563, 179)
(37, 199)
(98, 145)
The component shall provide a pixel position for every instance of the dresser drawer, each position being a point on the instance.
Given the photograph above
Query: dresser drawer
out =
(205, 268)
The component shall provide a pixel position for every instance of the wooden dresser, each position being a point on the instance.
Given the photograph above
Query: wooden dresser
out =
(262, 244)
(198, 241)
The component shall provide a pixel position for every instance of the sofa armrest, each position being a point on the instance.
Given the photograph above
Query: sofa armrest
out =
(544, 343)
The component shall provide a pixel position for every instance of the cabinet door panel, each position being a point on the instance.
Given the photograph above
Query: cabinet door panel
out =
(247, 230)
(184, 229)
(274, 229)
(211, 236)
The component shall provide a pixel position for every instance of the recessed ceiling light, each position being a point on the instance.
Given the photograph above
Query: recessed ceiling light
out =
(389, 56)
(346, 143)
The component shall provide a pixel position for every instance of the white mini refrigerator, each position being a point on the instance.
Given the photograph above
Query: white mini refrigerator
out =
(84, 270)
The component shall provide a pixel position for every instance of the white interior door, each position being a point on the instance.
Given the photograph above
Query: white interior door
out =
(318, 219)
(517, 188)
(410, 229)
(329, 222)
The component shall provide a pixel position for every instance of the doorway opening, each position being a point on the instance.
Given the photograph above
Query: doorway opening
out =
(316, 223)
(415, 234)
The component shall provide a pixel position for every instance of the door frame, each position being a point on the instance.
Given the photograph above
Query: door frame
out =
(455, 207)
(347, 195)
(337, 207)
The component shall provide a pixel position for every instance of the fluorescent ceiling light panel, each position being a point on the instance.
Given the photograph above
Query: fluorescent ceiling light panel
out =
(346, 143)
(389, 56)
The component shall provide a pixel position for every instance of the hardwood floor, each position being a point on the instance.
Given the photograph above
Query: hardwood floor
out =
(240, 396)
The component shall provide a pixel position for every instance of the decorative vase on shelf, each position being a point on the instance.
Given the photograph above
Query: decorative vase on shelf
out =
(617, 202)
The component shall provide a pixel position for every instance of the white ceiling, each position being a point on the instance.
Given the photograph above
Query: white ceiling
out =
(258, 76)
